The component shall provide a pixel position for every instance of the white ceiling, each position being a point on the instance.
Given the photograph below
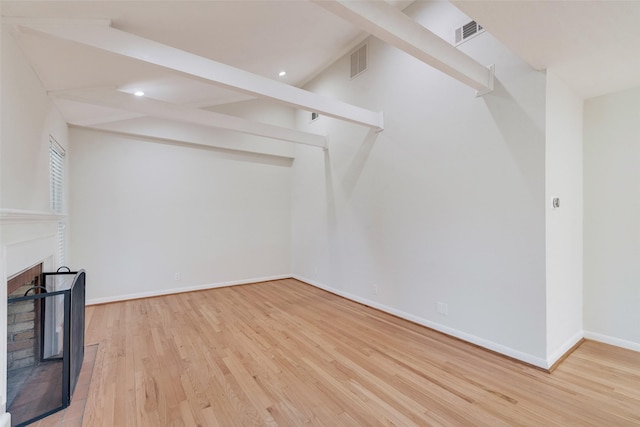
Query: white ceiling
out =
(263, 37)
(593, 45)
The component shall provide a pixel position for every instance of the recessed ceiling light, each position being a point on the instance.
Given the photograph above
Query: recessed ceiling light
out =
(138, 93)
(282, 73)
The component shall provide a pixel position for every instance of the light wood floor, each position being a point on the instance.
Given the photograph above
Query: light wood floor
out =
(287, 354)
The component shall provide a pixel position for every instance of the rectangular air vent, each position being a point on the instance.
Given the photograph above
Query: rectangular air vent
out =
(467, 31)
(359, 60)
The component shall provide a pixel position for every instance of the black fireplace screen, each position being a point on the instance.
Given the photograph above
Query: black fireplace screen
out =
(46, 382)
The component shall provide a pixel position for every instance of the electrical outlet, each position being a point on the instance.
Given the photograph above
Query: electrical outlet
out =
(177, 277)
(442, 308)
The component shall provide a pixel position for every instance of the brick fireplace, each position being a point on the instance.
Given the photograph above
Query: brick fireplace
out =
(22, 342)
(22, 337)
(46, 341)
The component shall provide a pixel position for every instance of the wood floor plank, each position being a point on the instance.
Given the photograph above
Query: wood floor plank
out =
(284, 353)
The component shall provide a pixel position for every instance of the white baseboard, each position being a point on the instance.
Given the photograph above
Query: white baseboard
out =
(5, 420)
(618, 342)
(564, 348)
(490, 345)
(160, 292)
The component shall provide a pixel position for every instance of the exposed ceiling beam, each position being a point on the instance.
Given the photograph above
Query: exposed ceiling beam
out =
(129, 45)
(395, 28)
(114, 99)
(161, 130)
(103, 119)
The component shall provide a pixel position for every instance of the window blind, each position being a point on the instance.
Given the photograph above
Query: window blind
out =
(56, 179)
(62, 243)
(56, 167)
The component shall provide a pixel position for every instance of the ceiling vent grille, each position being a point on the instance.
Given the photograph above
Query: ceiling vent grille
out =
(359, 60)
(467, 31)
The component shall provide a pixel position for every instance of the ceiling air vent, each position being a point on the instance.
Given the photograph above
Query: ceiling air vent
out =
(467, 31)
(359, 60)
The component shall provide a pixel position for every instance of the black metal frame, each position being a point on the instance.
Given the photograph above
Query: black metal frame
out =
(73, 339)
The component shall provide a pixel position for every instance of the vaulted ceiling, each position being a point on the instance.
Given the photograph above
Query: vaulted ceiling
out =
(262, 37)
(592, 45)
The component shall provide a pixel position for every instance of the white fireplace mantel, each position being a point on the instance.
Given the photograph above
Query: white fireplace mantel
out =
(28, 237)
(20, 216)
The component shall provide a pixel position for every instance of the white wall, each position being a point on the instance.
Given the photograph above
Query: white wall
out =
(445, 205)
(612, 218)
(563, 224)
(28, 118)
(142, 211)
(27, 232)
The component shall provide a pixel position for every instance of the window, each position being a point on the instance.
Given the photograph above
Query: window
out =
(56, 165)
(56, 179)
(62, 243)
